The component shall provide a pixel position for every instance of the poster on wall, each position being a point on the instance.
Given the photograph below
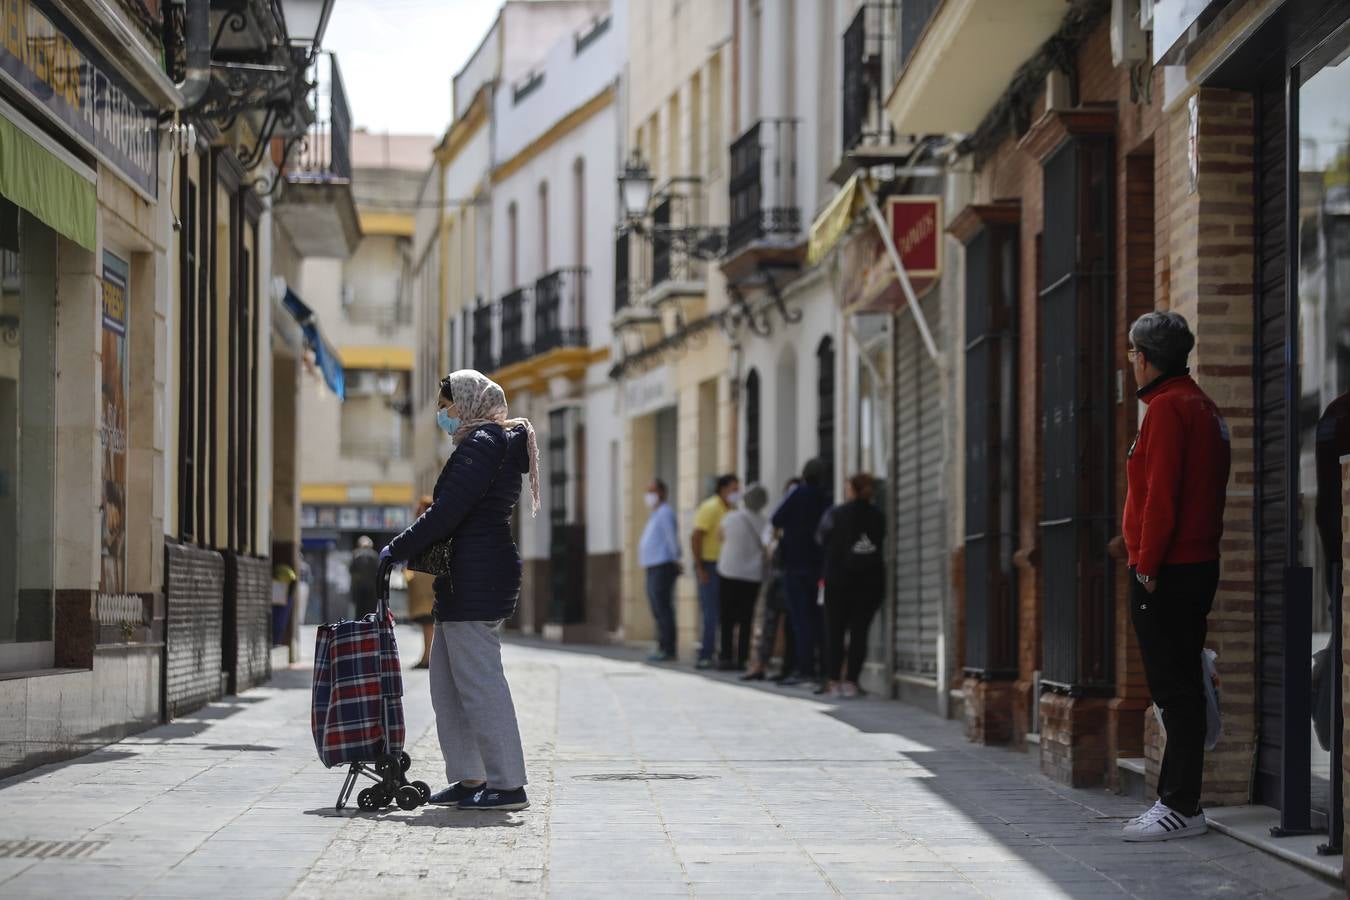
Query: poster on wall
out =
(113, 431)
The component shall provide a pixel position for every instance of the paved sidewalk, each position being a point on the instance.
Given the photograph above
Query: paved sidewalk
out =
(645, 782)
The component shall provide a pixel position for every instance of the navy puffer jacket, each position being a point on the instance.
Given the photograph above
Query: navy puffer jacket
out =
(472, 502)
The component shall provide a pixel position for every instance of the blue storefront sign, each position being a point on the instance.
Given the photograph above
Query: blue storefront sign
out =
(49, 60)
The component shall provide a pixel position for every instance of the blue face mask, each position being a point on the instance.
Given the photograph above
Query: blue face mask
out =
(447, 423)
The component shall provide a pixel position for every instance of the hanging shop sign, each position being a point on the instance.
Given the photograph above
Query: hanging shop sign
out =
(113, 433)
(870, 283)
(49, 60)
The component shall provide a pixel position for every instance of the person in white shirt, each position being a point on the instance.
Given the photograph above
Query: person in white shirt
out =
(740, 568)
(659, 556)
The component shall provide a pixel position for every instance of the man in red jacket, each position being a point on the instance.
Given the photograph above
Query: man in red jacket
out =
(1177, 477)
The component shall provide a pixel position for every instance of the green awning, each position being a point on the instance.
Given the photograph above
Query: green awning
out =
(36, 180)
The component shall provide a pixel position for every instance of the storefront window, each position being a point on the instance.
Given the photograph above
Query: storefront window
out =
(27, 431)
(1323, 236)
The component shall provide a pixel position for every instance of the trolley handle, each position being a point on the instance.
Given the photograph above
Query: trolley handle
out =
(382, 589)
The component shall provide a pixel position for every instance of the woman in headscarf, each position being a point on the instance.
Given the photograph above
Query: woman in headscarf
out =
(472, 504)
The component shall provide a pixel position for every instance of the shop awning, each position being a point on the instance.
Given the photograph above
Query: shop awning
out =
(37, 180)
(392, 359)
(834, 221)
(325, 357)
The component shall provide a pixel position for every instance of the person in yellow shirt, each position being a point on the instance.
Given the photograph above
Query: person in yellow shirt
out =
(706, 542)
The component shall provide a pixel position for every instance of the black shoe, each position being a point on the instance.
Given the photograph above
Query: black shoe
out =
(791, 681)
(781, 677)
(454, 794)
(753, 676)
(494, 800)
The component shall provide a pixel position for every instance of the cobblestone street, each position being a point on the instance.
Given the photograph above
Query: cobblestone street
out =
(645, 781)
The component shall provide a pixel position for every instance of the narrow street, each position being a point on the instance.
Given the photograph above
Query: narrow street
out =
(646, 781)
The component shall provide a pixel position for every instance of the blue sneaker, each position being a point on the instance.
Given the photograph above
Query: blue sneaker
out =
(494, 800)
(454, 794)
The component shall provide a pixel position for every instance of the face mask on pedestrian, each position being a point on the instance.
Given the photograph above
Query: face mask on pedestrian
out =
(447, 423)
(734, 498)
(652, 499)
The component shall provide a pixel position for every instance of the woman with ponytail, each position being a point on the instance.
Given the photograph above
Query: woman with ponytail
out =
(471, 508)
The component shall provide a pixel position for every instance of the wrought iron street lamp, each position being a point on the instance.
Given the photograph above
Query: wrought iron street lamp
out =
(635, 188)
(636, 184)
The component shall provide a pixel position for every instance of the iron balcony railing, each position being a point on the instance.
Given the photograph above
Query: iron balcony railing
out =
(622, 268)
(679, 231)
(865, 45)
(914, 18)
(325, 154)
(559, 310)
(483, 360)
(763, 185)
(514, 346)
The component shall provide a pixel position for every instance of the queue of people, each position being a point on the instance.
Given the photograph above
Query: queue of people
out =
(814, 569)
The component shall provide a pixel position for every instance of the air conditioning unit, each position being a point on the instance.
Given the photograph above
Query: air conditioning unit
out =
(360, 383)
(1128, 43)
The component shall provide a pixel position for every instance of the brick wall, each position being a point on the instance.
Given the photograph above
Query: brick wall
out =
(1206, 275)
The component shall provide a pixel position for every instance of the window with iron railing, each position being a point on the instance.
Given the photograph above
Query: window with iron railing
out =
(482, 338)
(865, 43)
(514, 346)
(558, 310)
(326, 154)
(621, 267)
(914, 18)
(661, 242)
(763, 185)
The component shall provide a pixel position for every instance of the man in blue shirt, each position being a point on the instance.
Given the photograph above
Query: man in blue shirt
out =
(659, 555)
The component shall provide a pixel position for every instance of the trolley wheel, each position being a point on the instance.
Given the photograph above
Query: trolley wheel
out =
(386, 796)
(404, 761)
(409, 797)
(386, 766)
(424, 789)
(369, 799)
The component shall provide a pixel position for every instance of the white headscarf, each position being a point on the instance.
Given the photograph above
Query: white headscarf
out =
(481, 401)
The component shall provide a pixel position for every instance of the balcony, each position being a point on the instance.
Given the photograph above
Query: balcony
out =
(514, 346)
(957, 57)
(866, 44)
(316, 206)
(540, 331)
(766, 222)
(483, 360)
(559, 311)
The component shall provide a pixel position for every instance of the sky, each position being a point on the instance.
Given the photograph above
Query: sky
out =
(398, 57)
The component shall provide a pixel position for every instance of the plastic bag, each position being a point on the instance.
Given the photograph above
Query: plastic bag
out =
(1213, 718)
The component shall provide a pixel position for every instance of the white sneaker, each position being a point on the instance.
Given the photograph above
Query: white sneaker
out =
(1165, 826)
(1156, 810)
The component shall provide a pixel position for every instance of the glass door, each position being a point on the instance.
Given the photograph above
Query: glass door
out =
(27, 439)
(1322, 232)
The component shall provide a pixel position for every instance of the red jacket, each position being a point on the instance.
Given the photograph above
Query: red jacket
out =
(1177, 477)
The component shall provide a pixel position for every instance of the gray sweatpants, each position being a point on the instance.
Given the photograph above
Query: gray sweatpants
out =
(475, 718)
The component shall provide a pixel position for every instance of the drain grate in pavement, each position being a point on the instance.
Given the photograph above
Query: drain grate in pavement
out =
(50, 849)
(643, 776)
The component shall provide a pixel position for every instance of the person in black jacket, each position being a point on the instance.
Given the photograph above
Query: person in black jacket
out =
(797, 518)
(471, 506)
(855, 581)
(364, 570)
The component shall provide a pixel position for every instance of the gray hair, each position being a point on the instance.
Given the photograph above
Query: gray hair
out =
(756, 497)
(1164, 338)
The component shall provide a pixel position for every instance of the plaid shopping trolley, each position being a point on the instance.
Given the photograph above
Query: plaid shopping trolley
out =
(357, 712)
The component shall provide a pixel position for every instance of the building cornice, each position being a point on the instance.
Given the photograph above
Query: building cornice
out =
(563, 127)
